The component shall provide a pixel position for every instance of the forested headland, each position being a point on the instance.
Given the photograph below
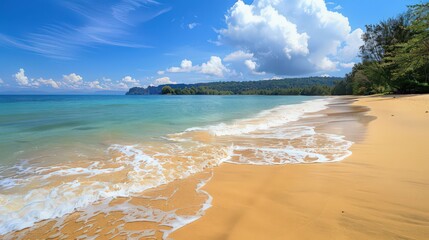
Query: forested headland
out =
(394, 59)
(289, 86)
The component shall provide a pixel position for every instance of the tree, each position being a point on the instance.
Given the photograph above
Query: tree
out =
(412, 57)
(167, 90)
(395, 56)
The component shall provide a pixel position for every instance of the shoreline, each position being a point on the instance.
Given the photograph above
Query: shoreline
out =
(336, 199)
(179, 202)
(379, 192)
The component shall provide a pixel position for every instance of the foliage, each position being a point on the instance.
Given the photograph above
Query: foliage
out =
(167, 90)
(395, 56)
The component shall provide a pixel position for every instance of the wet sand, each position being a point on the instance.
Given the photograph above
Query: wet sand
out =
(380, 192)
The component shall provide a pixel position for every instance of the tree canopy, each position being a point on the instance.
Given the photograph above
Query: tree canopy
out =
(395, 56)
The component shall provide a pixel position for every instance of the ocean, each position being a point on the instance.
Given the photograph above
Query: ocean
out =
(66, 154)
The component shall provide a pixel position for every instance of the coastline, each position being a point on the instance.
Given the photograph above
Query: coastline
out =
(380, 192)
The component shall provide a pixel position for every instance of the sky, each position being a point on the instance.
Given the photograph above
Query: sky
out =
(84, 46)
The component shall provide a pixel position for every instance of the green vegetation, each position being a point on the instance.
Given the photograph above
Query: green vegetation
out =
(395, 57)
(296, 86)
(167, 90)
(288, 86)
(318, 90)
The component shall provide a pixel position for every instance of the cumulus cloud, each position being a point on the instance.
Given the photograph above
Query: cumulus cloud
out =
(24, 81)
(95, 85)
(163, 81)
(185, 66)
(21, 79)
(129, 79)
(127, 82)
(251, 65)
(292, 37)
(238, 56)
(160, 72)
(350, 50)
(214, 67)
(73, 80)
(46, 82)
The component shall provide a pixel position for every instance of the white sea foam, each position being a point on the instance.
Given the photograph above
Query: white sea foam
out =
(18, 211)
(266, 119)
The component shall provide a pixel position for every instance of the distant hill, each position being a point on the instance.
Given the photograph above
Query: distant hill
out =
(288, 86)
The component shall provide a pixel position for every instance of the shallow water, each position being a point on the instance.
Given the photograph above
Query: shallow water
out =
(62, 154)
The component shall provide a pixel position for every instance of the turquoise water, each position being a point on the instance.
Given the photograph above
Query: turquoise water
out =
(43, 126)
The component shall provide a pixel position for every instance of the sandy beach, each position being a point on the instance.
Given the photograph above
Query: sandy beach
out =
(380, 192)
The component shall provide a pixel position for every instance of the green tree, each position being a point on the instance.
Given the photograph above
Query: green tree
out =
(411, 58)
(167, 90)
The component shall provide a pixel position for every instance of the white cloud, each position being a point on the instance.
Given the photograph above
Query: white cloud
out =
(95, 85)
(338, 7)
(1, 81)
(21, 79)
(327, 64)
(163, 81)
(325, 75)
(351, 45)
(73, 80)
(347, 65)
(238, 56)
(214, 67)
(192, 25)
(160, 72)
(251, 65)
(130, 80)
(185, 66)
(127, 82)
(46, 82)
(289, 37)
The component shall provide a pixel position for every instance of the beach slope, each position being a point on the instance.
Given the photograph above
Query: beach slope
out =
(380, 192)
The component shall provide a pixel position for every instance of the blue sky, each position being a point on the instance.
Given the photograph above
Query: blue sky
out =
(59, 46)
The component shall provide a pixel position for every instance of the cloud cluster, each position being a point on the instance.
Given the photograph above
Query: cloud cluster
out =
(213, 67)
(74, 81)
(292, 37)
(24, 81)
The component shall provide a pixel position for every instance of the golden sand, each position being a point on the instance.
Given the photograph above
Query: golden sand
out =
(380, 192)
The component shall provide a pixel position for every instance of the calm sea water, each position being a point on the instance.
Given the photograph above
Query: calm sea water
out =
(35, 126)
